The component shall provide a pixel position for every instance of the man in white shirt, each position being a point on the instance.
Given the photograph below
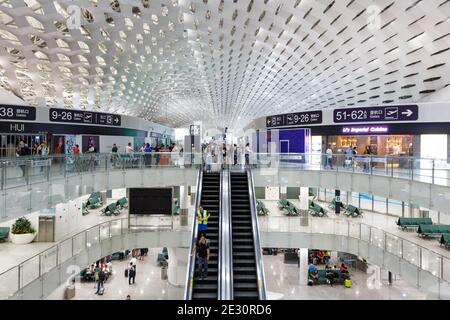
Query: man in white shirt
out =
(129, 149)
(329, 163)
(134, 262)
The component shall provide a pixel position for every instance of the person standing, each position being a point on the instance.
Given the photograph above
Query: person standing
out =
(235, 154)
(131, 273)
(329, 156)
(101, 280)
(133, 262)
(202, 250)
(202, 219)
(248, 151)
(129, 149)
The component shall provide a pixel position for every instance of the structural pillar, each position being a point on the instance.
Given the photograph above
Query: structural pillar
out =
(283, 192)
(303, 266)
(184, 206)
(177, 267)
(193, 193)
(304, 206)
(337, 194)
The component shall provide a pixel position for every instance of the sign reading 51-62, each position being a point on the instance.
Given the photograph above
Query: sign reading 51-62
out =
(87, 117)
(377, 114)
(10, 112)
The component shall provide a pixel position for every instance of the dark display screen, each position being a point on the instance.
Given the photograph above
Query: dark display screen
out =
(150, 201)
(10, 112)
(87, 117)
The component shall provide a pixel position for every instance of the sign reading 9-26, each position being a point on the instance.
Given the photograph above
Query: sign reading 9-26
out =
(11, 112)
(87, 117)
(377, 114)
(294, 119)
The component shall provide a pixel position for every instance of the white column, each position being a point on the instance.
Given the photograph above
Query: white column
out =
(333, 258)
(304, 199)
(177, 267)
(303, 255)
(304, 206)
(184, 205)
(283, 192)
(193, 192)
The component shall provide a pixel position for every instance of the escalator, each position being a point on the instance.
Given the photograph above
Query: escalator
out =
(210, 201)
(245, 273)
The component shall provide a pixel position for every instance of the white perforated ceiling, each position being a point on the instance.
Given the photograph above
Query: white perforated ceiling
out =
(223, 61)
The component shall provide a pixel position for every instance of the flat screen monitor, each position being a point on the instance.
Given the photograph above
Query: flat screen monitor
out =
(147, 201)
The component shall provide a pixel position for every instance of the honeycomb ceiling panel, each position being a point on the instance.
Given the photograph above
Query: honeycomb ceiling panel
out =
(224, 62)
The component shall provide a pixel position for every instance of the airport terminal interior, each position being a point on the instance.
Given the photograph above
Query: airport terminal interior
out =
(224, 150)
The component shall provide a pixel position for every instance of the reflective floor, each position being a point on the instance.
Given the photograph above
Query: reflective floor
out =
(283, 281)
(148, 285)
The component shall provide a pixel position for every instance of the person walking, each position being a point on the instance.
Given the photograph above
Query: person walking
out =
(202, 220)
(101, 280)
(329, 155)
(131, 273)
(235, 155)
(202, 250)
(367, 160)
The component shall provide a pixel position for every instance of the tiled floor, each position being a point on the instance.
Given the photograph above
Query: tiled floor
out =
(148, 286)
(284, 279)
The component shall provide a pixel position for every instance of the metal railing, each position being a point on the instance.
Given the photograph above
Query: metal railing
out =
(417, 255)
(191, 260)
(432, 171)
(256, 239)
(18, 277)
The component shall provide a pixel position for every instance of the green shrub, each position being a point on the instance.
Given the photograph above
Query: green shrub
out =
(22, 226)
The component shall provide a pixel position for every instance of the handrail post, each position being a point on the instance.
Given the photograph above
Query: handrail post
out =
(432, 171)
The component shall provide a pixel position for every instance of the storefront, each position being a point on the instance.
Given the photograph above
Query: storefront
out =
(382, 145)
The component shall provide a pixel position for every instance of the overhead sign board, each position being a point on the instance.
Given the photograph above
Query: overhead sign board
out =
(376, 114)
(361, 130)
(11, 112)
(86, 117)
(295, 119)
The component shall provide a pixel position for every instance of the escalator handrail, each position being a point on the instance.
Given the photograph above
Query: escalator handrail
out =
(261, 283)
(191, 265)
(219, 244)
(230, 239)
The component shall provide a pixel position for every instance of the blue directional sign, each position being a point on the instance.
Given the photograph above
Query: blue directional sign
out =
(377, 114)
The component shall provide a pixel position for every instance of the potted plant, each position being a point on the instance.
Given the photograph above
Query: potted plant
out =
(22, 232)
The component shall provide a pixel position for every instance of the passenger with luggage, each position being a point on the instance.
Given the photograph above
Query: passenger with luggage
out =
(131, 273)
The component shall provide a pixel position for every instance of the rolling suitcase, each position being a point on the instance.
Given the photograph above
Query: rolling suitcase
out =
(101, 291)
(126, 273)
(348, 283)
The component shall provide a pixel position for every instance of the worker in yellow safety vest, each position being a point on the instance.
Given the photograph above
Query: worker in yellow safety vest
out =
(202, 219)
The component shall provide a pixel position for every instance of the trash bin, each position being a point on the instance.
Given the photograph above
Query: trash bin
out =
(70, 291)
(164, 273)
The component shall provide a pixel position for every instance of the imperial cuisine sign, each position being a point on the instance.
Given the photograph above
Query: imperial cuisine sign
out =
(365, 130)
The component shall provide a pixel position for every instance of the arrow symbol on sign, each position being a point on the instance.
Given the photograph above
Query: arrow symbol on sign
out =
(116, 120)
(408, 113)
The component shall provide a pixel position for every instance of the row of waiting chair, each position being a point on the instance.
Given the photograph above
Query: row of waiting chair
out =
(426, 229)
(115, 207)
(350, 210)
(288, 208)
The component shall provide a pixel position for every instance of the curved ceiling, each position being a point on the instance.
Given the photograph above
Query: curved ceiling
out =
(224, 62)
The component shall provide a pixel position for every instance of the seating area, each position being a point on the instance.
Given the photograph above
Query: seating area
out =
(4, 233)
(332, 204)
(93, 202)
(122, 203)
(352, 211)
(320, 276)
(162, 258)
(175, 206)
(406, 223)
(317, 210)
(445, 240)
(111, 209)
(261, 208)
(436, 230)
(288, 208)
